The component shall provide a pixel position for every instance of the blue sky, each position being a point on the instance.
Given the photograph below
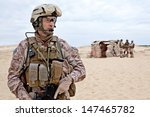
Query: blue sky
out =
(82, 21)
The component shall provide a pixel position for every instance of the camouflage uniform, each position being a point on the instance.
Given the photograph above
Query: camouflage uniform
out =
(126, 49)
(19, 56)
(70, 55)
(121, 48)
(131, 48)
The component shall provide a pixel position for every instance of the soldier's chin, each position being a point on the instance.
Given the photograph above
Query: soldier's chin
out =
(49, 32)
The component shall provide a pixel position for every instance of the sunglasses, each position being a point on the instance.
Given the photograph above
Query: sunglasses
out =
(49, 19)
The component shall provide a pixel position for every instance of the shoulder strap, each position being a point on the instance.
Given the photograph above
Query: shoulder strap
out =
(58, 46)
(25, 66)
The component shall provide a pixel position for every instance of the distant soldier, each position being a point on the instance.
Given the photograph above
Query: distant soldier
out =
(126, 48)
(121, 48)
(131, 49)
(116, 48)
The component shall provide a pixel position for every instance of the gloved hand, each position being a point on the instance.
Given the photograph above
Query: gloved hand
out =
(63, 87)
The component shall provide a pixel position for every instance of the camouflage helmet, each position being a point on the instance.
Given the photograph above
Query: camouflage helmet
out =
(45, 10)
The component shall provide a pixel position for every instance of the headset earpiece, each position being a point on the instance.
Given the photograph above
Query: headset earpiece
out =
(35, 24)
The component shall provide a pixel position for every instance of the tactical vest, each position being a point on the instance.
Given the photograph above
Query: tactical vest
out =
(44, 63)
(45, 66)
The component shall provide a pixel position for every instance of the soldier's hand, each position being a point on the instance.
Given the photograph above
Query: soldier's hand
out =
(63, 87)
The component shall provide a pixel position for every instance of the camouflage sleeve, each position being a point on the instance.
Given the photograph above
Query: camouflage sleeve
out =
(72, 56)
(14, 83)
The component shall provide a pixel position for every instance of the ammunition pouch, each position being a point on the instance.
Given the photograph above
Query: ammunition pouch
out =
(37, 75)
(56, 71)
(32, 75)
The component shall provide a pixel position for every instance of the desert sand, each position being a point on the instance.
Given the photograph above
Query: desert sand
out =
(110, 78)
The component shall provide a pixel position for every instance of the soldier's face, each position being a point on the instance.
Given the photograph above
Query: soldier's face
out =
(48, 23)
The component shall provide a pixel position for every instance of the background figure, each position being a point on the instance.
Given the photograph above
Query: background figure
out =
(116, 48)
(131, 49)
(126, 48)
(121, 49)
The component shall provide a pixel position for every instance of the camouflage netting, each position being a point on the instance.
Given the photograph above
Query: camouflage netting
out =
(102, 49)
(95, 49)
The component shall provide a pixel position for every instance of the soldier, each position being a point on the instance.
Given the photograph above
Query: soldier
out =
(121, 48)
(126, 48)
(116, 48)
(44, 66)
(131, 49)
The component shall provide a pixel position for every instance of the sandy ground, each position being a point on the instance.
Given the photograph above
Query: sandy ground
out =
(107, 78)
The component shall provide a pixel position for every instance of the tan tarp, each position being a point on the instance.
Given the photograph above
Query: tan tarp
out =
(112, 49)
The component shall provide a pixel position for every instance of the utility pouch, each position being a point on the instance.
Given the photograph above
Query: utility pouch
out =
(56, 71)
(33, 75)
(43, 75)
